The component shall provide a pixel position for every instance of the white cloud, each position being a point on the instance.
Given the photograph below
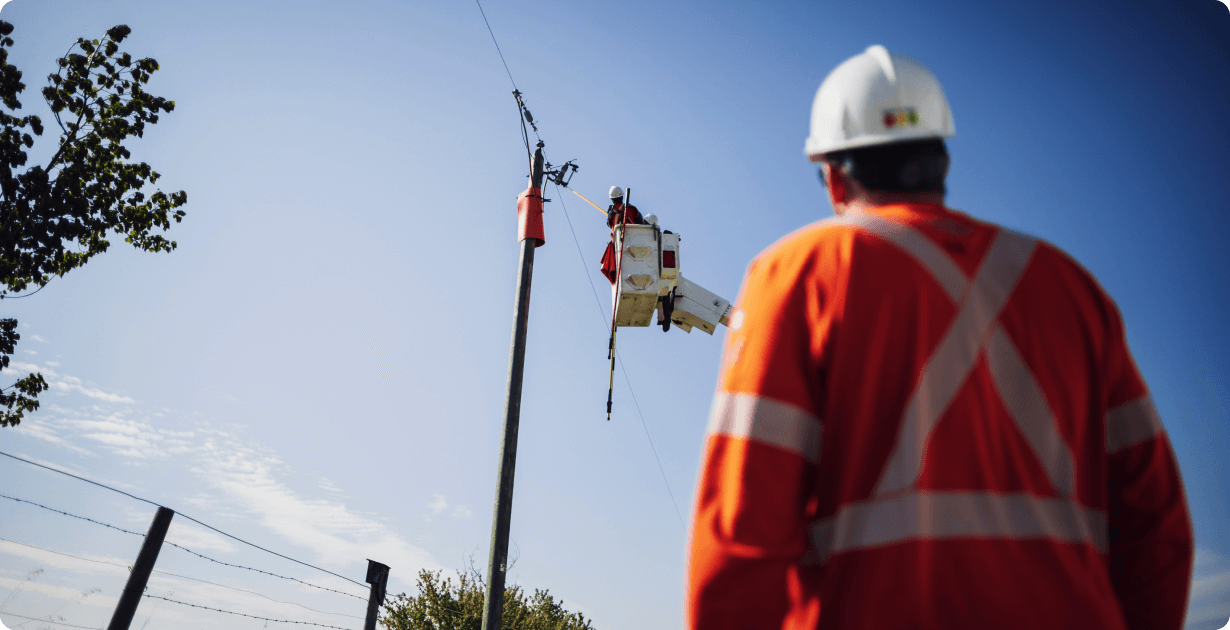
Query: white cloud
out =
(248, 476)
(104, 565)
(64, 384)
(195, 537)
(462, 512)
(438, 505)
(239, 481)
(36, 337)
(1209, 603)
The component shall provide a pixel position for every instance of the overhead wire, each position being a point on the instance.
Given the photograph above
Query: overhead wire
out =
(240, 566)
(182, 548)
(524, 116)
(209, 527)
(497, 44)
(84, 518)
(522, 113)
(58, 623)
(182, 577)
(231, 612)
(236, 538)
(602, 317)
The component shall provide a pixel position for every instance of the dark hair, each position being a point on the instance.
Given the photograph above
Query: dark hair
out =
(901, 167)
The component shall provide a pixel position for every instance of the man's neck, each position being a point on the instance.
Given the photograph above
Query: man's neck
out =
(868, 200)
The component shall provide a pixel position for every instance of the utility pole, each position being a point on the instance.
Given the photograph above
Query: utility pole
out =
(127, 606)
(378, 577)
(529, 216)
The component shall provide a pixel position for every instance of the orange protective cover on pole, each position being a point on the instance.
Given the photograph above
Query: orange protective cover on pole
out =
(529, 216)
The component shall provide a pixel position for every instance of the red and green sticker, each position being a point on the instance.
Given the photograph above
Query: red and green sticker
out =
(904, 117)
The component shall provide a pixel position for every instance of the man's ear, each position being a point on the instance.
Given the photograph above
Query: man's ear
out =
(838, 193)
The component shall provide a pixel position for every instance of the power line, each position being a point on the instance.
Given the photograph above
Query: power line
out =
(651, 446)
(210, 527)
(497, 44)
(598, 302)
(58, 623)
(231, 612)
(182, 577)
(580, 254)
(56, 470)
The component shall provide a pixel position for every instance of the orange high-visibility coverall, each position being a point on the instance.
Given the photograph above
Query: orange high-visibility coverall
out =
(927, 421)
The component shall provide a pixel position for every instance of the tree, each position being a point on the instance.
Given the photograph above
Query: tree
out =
(56, 217)
(443, 605)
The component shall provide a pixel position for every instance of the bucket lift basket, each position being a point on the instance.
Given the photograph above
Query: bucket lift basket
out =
(649, 275)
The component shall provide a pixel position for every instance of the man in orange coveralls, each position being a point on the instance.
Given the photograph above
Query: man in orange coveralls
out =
(617, 214)
(924, 420)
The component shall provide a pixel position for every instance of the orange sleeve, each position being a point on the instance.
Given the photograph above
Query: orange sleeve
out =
(749, 528)
(1151, 540)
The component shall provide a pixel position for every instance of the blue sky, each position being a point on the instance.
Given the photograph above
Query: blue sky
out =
(320, 366)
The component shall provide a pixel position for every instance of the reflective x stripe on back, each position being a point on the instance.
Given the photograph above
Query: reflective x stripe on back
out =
(900, 511)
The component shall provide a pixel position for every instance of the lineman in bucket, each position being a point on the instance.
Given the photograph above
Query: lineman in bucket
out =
(924, 420)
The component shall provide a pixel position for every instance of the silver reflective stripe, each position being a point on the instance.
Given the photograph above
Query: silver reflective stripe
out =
(945, 272)
(1026, 404)
(937, 515)
(1132, 423)
(899, 511)
(953, 360)
(767, 421)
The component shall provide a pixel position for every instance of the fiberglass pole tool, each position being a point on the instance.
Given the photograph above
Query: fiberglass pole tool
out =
(617, 236)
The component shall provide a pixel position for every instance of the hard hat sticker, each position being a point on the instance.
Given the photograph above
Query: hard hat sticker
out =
(905, 117)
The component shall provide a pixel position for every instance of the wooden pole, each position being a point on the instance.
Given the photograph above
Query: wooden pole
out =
(127, 606)
(501, 521)
(378, 577)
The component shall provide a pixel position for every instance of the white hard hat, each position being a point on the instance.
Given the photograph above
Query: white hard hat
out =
(616, 192)
(877, 97)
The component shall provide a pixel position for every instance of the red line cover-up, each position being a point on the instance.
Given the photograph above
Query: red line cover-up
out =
(616, 215)
(927, 421)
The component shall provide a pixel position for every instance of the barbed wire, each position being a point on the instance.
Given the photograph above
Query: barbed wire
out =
(118, 529)
(197, 554)
(182, 577)
(209, 527)
(231, 612)
(58, 623)
(240, 566)
(232, 537)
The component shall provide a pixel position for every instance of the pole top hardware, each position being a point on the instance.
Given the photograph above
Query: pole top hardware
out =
(561, 176)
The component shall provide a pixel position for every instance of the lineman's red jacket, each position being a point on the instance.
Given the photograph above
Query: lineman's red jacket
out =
(927, 421)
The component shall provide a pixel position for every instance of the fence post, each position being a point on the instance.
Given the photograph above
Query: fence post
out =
(127, 606)
(378, 577)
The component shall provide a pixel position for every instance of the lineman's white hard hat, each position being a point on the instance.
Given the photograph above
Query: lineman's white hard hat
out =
(616, 192)
(877, 97)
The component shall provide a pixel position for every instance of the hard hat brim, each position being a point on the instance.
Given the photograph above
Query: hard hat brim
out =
(815, 151)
